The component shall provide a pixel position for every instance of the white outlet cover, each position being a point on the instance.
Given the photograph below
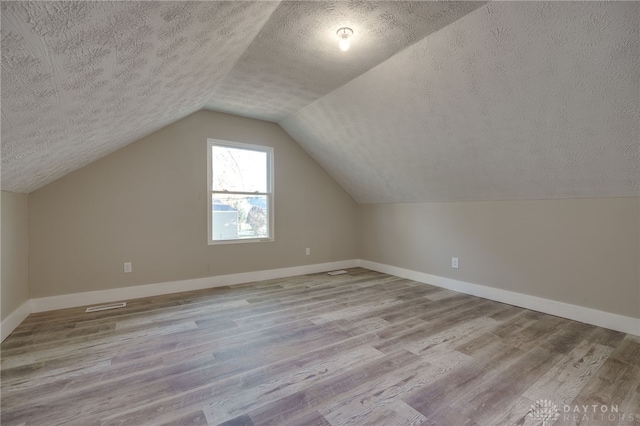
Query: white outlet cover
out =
(454, 262)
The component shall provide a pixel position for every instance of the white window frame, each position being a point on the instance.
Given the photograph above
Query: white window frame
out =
(269, 194)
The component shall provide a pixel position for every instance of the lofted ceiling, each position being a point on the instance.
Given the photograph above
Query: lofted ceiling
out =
(435, 101)
(82, 79)
(516, 100)
(294, 60)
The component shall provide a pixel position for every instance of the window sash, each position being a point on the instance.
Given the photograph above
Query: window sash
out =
(224, 191)
(221, 191)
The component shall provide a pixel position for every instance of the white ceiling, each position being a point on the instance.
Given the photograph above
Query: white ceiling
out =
(294, 60)
(82, 79)
(435, 101)
(516, 100)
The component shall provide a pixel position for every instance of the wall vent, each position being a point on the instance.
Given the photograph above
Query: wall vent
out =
(106, 307)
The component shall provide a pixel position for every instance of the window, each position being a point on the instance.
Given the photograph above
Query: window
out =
(240, 192)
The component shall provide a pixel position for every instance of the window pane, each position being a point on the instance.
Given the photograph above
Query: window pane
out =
(238, 170)
(239, 216)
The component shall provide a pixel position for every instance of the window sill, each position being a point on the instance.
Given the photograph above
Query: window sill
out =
(241, 241)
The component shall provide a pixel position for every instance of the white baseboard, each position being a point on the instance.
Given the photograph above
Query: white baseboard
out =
(73, 300)
(565, 310)
(14, 319)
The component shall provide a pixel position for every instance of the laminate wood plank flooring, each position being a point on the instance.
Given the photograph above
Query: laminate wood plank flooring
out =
(364, 348)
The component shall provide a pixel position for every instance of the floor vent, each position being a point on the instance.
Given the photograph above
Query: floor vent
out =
(105, 307)
(340, 272)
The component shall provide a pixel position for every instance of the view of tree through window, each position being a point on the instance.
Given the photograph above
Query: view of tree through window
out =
(240, 189)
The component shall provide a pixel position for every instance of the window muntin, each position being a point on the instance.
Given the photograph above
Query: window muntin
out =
(241, 192)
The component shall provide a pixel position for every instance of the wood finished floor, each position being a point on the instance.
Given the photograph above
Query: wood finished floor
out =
(364, 348)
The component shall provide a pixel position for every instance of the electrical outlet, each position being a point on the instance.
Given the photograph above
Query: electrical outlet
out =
(127, 267)
(454, 262)
(308, 251)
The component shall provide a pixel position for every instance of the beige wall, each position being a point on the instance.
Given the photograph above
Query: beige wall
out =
(147, 204)
(584, 252)
(15, 257)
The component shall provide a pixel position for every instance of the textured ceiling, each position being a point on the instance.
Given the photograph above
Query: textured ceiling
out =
(295, 59)
(516, 100)
(435, 101)
(82, 79)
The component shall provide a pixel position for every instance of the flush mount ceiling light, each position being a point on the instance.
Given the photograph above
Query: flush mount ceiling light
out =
(344, 33)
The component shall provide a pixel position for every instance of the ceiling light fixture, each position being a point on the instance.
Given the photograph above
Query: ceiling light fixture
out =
(344, 33)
